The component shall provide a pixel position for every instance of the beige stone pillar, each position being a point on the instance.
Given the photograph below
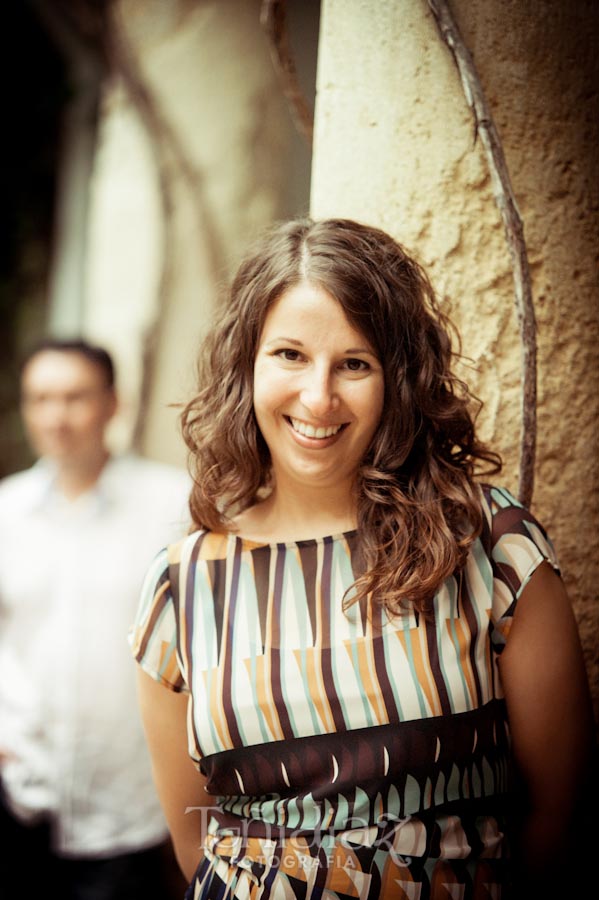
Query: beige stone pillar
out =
(394, 146)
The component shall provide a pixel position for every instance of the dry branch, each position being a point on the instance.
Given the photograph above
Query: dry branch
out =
(514, 232)
(274, 21)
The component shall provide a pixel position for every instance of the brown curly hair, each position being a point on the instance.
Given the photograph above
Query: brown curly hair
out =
(418, 502)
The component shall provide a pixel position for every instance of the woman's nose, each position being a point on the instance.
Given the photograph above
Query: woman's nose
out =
(318, 394)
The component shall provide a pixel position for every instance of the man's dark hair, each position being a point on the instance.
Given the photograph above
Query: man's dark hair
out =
(97, 355)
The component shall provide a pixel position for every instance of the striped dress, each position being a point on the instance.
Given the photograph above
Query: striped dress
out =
(352, 755)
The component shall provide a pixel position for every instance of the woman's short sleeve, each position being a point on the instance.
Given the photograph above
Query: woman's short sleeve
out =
(153, 636)
(519, 544)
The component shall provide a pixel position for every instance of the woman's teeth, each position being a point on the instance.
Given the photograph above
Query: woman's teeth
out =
(312, 432)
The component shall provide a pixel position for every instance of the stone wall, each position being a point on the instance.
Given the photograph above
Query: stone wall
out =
(395, 146)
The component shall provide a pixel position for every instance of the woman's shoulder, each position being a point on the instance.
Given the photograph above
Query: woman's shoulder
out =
(511, 526)
(501, 506)
(199, 544)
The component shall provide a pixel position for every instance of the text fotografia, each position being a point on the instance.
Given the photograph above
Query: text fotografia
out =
(299, 848)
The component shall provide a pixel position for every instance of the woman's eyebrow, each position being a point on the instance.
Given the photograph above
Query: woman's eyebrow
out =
(287, 340)
(361, 350)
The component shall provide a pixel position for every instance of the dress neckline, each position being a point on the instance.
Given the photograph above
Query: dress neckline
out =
(254, 543)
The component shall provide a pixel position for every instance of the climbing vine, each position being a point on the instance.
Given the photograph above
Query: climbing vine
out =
(514, 233)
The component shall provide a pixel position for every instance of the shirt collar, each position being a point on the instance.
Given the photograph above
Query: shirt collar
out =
(45, 491)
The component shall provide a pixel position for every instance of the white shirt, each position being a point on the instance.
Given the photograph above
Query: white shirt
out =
(70, 578)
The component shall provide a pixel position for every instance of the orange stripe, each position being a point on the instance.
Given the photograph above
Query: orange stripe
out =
(216, 710)
(170, 671)
(366, 669)
(264, 698)
(315, 687)
(463, 634)
(214, 546)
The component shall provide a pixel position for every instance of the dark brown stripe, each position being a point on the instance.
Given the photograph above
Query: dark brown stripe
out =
(275, 653)
(226, 654)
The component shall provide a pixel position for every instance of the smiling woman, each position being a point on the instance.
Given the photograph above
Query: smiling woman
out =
(318, 400)
(358, 638)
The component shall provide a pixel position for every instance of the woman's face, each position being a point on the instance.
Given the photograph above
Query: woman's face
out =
(318, 390)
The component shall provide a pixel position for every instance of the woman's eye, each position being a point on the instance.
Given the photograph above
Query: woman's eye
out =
(288, 354)
(356, 365)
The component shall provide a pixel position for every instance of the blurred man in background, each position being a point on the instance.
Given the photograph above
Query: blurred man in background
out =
(79, 817)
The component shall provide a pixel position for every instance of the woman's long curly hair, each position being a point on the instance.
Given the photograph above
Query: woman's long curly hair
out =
(418, 505)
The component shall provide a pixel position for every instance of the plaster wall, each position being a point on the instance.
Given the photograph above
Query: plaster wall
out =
(193, 158)
(394, 146)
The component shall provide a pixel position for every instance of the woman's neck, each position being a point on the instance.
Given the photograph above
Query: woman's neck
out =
(295, 515)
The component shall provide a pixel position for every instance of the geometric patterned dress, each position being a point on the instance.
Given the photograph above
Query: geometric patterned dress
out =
(353, 755)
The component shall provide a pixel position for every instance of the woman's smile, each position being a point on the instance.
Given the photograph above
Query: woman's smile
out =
(317, 433)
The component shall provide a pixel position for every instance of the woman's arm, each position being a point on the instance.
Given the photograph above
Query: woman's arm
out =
(179, 785)
(551, 724)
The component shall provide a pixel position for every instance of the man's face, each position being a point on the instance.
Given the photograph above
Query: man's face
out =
(66, 405)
